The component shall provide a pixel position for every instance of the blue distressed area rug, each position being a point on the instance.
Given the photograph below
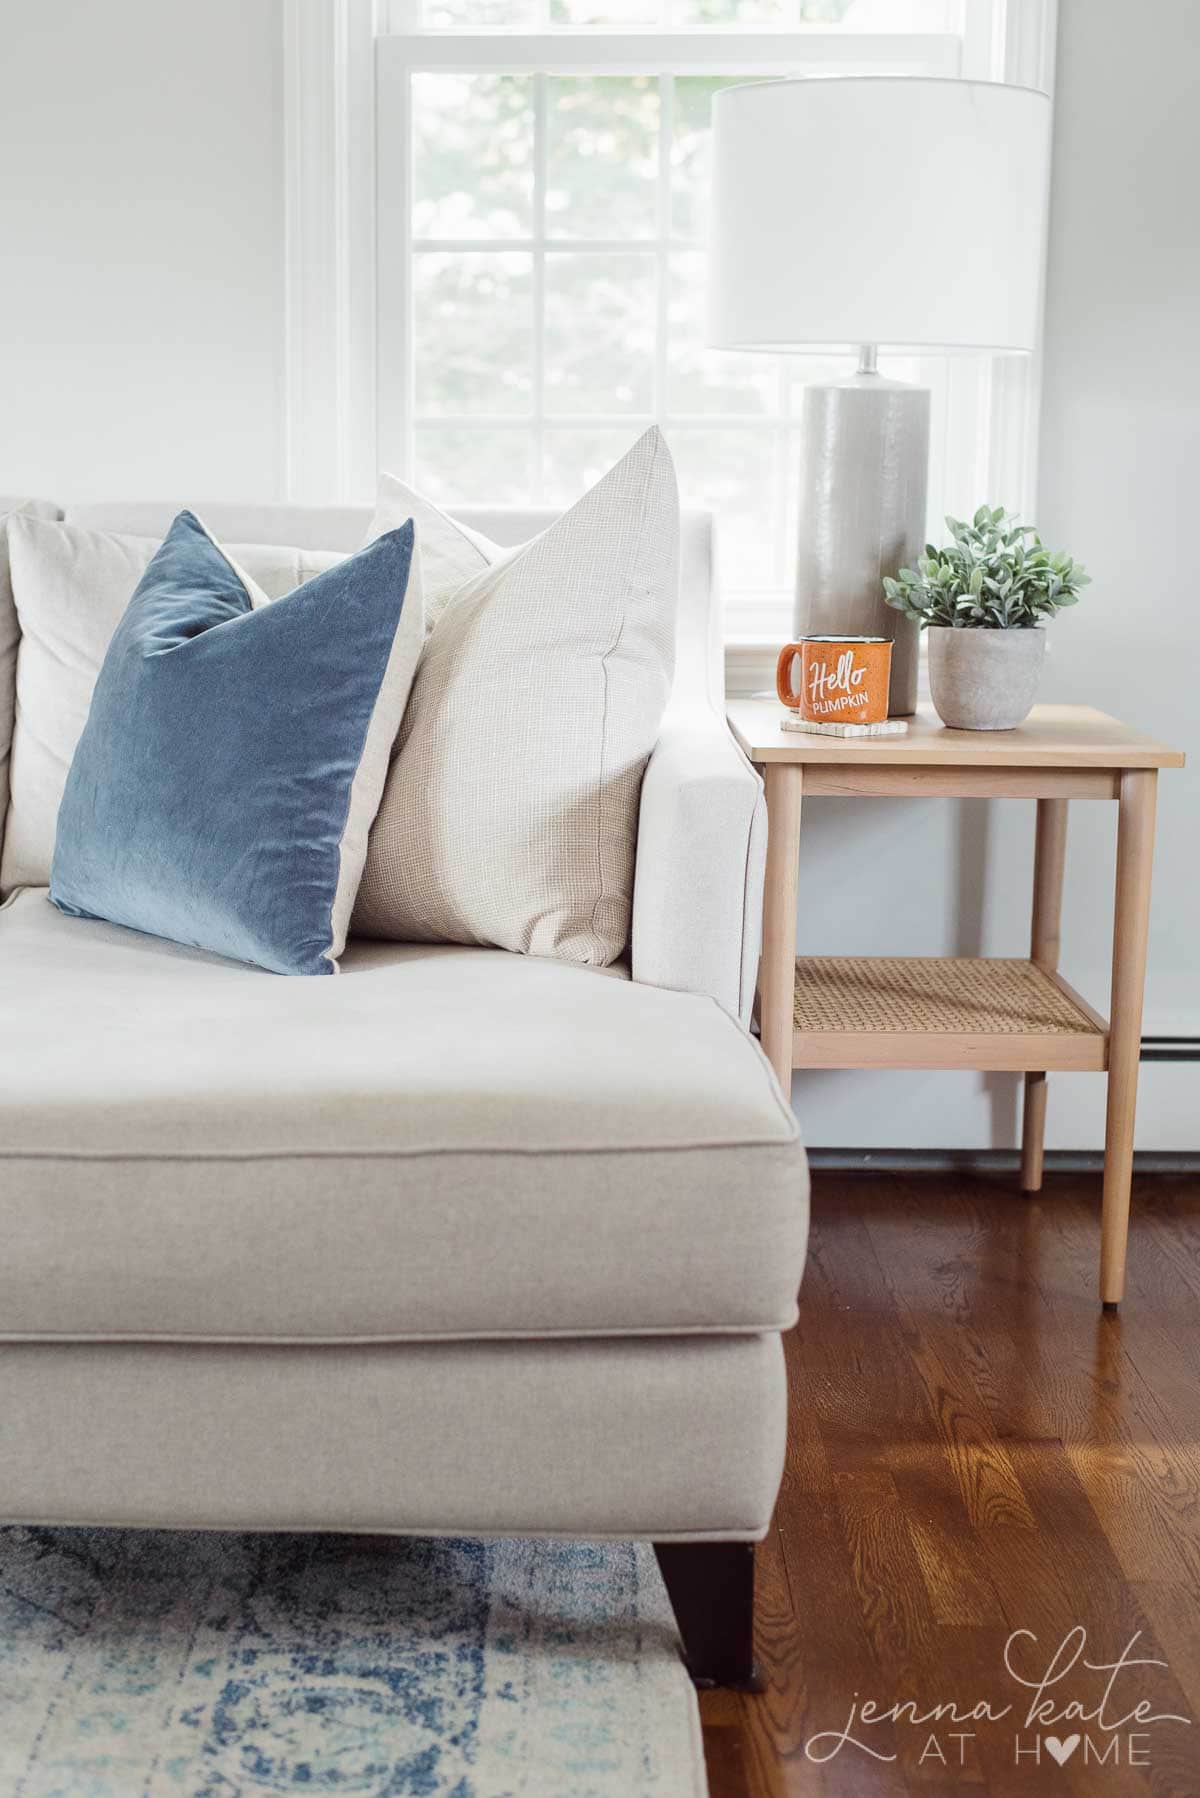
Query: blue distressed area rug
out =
(154, 1664)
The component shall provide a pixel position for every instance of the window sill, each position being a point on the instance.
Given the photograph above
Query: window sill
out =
(750, 666)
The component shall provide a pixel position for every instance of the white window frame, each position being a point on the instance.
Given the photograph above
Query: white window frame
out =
(348, 65)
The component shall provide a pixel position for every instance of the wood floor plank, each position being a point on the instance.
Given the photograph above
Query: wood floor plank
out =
(1105, 1605)
(774, 1719)
(903, 1631)
(886, 1575)
(1132, 1442)
(838, 1659)
(973, 1449)
(1171, 1610)
(958, 1589)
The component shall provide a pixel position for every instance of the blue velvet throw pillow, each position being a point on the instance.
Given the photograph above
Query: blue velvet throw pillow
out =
(236, 750)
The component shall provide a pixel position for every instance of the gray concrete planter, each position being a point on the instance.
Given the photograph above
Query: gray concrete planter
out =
(984, 680)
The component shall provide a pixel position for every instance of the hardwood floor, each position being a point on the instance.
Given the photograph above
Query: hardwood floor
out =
(975, 1450)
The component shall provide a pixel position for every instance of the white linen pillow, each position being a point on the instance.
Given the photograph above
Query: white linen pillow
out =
(451, 553)
(70, 588)
(510, 812)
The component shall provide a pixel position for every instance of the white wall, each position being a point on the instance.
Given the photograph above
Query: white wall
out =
(1120, 488)
(141, 284)
(1120, 446)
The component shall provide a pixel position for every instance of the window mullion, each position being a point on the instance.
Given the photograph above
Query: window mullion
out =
(539, 283)
(750, 53)
(785, 549)
(408, 404)
(617, 245)
(666, 125)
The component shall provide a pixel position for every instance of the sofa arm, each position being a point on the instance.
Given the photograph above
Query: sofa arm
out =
(701, 852)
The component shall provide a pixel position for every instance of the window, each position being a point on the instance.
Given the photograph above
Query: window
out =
(540, 180)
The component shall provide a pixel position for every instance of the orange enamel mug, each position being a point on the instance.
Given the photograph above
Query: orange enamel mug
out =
(843, 680)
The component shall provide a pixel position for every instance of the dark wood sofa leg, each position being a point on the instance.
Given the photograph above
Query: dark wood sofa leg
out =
(711, 1587)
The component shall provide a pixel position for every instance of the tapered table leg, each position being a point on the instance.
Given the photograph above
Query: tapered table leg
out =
(1135, 852)
(1049, 862)
(777, 972)
(1033, 1132)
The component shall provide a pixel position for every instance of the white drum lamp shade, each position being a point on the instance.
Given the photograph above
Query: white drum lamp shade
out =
(874, 211)
(898, 211)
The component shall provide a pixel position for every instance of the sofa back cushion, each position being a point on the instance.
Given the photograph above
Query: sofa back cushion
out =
(104, 551)
(699, 652)
(70, 587)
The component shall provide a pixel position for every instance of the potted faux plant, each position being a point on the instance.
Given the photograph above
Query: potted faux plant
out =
(984, 599)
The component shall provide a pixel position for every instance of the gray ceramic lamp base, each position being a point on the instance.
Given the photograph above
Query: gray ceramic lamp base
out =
(863, 481)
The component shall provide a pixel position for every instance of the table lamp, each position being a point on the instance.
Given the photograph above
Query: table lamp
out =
(893, 212)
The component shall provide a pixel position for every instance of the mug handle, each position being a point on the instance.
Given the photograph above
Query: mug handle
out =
(783, 676)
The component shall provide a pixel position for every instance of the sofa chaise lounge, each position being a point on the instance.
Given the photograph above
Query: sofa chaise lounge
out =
(459, 1242)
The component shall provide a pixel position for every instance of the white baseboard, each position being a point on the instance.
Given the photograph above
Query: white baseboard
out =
(902, 1110)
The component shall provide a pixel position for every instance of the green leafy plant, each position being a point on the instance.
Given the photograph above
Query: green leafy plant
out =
(996, 575)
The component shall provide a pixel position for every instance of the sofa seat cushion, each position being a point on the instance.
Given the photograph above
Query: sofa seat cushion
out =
(446, 1142)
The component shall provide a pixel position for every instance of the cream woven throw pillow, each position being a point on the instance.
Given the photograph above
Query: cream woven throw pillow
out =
(510, 812)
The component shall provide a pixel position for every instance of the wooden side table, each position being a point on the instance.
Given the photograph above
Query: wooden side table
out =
(998, 1015)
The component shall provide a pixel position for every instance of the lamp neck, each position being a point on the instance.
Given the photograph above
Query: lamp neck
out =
(868, 359)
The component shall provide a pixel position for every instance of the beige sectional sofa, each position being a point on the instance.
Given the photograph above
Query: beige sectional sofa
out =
(459, 1242)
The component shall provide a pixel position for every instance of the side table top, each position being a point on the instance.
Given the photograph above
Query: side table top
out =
(1053, 736)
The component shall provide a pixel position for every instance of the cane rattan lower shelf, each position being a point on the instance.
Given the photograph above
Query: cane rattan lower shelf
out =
(941, 1012)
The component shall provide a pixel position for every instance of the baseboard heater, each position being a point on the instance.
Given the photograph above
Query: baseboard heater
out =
(1063, 1161)
(994, 1161)
(1171, 1048)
